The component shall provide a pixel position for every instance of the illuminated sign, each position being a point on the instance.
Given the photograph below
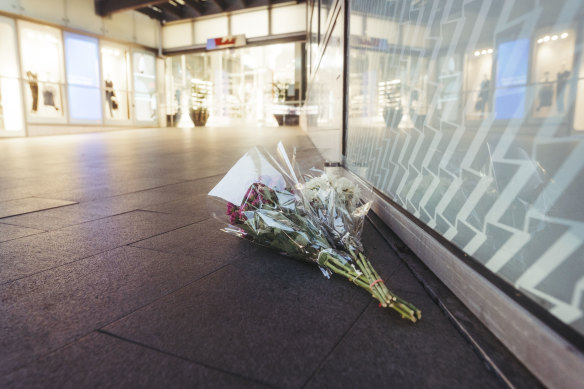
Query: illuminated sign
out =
(224, 42)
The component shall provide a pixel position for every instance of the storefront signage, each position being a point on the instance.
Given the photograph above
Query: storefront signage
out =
(224, 42)
(369, 42)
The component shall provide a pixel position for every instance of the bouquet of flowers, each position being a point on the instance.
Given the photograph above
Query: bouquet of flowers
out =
(317, 219)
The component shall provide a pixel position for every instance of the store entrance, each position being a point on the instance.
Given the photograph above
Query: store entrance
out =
(247, 86)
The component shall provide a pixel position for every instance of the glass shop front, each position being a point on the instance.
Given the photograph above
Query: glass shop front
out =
(67, 78)
(257, 85)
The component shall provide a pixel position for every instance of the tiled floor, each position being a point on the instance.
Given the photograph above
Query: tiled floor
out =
(113, 274)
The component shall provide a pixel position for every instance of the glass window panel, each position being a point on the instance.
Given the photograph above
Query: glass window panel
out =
(324, 107)
(356, 25)
(579, 110)
(470, 118)
(11, 113)
(251, 24)
(314, 38)
(82, 58)
(210, 28)
(144, 87)
(41, 49)
(177, 35)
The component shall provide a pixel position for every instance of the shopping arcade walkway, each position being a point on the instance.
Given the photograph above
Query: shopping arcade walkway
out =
(112, 273)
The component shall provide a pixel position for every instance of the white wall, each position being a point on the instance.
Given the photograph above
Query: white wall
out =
(128, 26)
(254, 23)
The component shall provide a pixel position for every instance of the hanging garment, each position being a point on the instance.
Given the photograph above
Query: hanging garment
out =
(546, 95)
(560, 89)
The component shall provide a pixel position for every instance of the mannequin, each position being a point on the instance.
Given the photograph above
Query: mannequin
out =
(483, 97)
(546, 92)
(34, 89)
(110, 96)
(563, 76)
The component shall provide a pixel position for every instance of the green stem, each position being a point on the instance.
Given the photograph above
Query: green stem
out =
(368, 275)
(347, 271)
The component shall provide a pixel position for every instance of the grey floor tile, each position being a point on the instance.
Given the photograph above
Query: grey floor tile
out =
(47, 310)
(203, 239)
(387, 353)
(265, 317)
(31, 204)
(53, 219)
(9, 232)
(32, 254)
(96, 188)
(193, 205)
(104, 361)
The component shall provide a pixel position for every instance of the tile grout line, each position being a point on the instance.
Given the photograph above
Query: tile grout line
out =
(118, 318)
(19, 226)
(208, 366)
(37, 210)
(326, 358)
(188, 284)
(104, 198)
(182, 181)
(479, 351)
(2, 284)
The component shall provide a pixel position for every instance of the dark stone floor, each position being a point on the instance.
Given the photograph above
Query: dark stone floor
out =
(113, 274)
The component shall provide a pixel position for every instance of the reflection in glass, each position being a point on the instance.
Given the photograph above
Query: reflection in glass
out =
(554, 55)
(471, 119)
(512, 63)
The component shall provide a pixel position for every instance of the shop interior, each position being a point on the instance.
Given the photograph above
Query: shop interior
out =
(251, 85)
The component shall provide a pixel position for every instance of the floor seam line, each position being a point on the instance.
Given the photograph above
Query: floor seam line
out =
(335, 346)
(38, 210)
(188, 284)
(124, 339)
(89, 256)
(166, 232)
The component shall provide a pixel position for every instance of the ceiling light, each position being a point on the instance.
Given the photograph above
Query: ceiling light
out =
(484, 52)
(555, 38)
(540, 40)
(564, 35)
(477, 53)
(546, 38)
(490, 51)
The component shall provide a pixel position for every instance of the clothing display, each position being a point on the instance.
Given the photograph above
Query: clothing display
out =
(483, 97)
(110, 96)
(34, 89)
(560, 89)
(49, 97)
(546, 95)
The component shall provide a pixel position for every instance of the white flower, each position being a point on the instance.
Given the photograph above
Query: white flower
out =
(318, 188)
(314, 187)
(346, 189)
